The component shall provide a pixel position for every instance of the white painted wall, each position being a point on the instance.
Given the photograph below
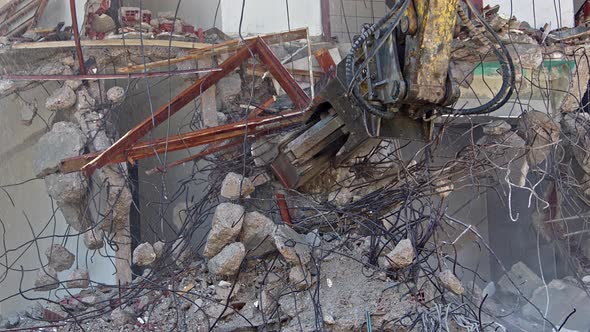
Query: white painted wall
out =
(266, 16)
(543, 11)
(31, 199)
(199, 13)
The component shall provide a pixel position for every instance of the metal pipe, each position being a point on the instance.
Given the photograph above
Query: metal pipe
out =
(77, 37)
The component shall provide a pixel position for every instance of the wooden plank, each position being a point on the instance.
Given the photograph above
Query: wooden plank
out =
(109, 43)
(164, 112)
(223, 48)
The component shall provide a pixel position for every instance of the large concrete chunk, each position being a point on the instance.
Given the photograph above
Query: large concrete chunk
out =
(448, 279)
(563, 299)
(525, 279)
(541, 135)
(144, 254)
(78, 278)
(256, 233)
(225, 227)
(402, 255)
(116, 94)
(46, 280)
(66, 187)
(63, 141)
(61, 99)
(93, 239)
(235, 186)
(291, 245)
(59, 257)
(228, 261)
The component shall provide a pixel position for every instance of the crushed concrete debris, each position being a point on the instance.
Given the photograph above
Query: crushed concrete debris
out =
(402, 255)
(63, 141)
(235, 186)
(59, 257)
(46, 279)
(61, 99)
(116, 95)
(541, 133)
(256, 234)
(525, 279)
(448, 279)
(291, 245)
(227, 262)
(159, 249)
(93, 239)
(225, 228)
(144, 254)
(122, 317)
(78, 278)
(85, 100)
(73, 84)
(300, 277)
(66, 187)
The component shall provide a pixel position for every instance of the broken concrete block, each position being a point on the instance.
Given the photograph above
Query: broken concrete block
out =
(577, 128)
(46, 279)
(73, 84)
(12, 321)
(7, 87)
(462, 72)
(221, 118)
(122, 317)
(63, 141)
(267, 302)
(260, 179)
(541, 133)
(28, 111)
(498, 127)
(528, 56)
(223, 289)
(158, 249)
(75, 214)
(291, 245)
(313, 238)
(300, 277)
(85, 100)
(68, 61)
(448, 279)
(93, 239)
(329, 320)
(69, 188)
(402, 255)
(525, 279)
(116, 94)
(225, 228)
(78, 278)
(340, 197)
(563, 298)
(227, 262)
(59, 257)
(256, 234)
(61, 99)
(103, 23)
(235, 186)
(144, 254)
(180, 252)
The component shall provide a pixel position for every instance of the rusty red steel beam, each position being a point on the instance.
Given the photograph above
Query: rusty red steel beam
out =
(251, 127)
(79, 53)
(284, 209)
(282, 75)
(214, 147)
(164, 112)
(326, 25)
(326, 62)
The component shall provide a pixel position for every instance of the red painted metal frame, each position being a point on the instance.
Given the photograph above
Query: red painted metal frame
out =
(79, 53)
(256, 46)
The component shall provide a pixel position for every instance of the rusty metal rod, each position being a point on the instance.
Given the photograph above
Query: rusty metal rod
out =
(77, 37)
(105, 76)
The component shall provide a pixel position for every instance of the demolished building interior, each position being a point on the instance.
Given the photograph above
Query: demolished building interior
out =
(409, 165)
